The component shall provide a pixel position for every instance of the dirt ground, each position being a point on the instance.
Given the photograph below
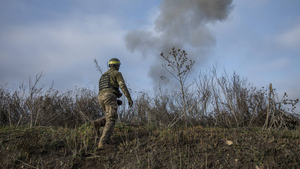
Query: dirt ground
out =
(142, 147)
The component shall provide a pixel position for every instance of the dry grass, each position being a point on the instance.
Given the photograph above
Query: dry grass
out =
(213, 101)
(224, 115)
(143, 147)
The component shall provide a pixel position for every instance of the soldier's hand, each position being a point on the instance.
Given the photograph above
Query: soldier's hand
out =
(119, 102)
(119, 95)
(130, 103)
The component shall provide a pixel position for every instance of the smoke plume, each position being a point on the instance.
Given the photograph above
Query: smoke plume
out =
(180, 24)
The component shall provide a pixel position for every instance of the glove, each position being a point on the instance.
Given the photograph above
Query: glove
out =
(119, 94)
(130, 103)
(119, 102)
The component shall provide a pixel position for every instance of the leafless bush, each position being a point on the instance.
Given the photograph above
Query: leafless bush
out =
(179, 66)
(213, 101)
(138, 113)
(33, 106)
(224, 101)
(235, 97)
(279, 116)
(158, 109)
(238, 104)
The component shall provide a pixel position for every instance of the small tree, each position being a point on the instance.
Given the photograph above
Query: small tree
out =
(179, 67)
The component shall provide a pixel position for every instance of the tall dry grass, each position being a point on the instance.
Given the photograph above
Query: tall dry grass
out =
(223, 101)
(34, 106)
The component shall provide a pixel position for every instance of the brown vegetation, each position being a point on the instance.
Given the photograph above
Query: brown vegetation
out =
(149, 147)
(216, 122)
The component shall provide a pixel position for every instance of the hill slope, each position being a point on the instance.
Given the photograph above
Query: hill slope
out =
(146, 147)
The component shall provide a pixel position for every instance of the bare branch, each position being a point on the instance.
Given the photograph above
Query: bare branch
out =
(97, 66)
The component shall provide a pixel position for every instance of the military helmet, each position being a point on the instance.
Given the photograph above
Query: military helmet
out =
(114, 61)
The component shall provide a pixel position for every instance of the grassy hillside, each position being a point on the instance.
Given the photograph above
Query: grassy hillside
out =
(231, 125)
(149, 147)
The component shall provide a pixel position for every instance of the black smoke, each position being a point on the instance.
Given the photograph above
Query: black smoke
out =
(181, 24)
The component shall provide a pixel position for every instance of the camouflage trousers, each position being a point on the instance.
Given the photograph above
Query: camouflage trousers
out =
(108, 103)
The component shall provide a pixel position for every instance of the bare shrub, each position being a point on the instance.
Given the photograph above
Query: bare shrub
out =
(278, 116)
(225, 101)
(35, 107)
(213, 101)
(5, 112)
(179, 68)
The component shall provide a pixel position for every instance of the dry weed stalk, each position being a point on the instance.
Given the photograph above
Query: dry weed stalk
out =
(176, 66)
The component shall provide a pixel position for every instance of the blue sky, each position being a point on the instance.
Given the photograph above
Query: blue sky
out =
(262, 39)
(259, 40)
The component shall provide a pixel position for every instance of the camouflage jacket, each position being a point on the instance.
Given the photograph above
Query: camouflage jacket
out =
(111, 81)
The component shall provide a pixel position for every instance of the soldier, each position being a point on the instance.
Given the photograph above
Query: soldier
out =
(109, 85)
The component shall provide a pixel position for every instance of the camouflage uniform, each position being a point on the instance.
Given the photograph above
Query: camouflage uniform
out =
(109, 85)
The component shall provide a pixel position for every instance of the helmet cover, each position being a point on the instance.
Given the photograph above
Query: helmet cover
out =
(114, 61)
